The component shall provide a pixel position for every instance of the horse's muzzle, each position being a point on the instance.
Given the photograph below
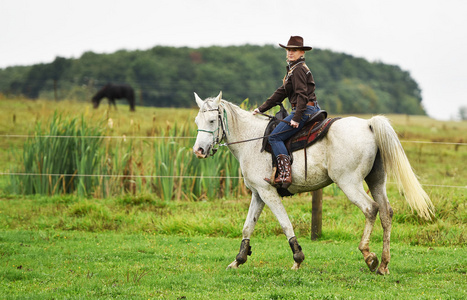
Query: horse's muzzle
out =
(200, 155)
(200, 152)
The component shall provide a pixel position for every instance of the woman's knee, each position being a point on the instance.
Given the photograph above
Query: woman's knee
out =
(274, 139)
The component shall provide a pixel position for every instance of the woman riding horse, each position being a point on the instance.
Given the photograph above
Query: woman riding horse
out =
(299, 87)
(353, 151)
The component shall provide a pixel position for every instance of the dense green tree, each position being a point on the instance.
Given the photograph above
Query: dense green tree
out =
(168, 76)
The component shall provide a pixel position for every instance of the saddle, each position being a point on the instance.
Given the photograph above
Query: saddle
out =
(314, 130)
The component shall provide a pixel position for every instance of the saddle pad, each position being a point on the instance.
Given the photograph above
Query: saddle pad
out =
(311, 135)
(308, 135)
(315, 118)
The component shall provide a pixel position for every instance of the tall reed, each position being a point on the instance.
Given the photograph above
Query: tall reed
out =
(73, 157)
(58, 156)
(180, 175)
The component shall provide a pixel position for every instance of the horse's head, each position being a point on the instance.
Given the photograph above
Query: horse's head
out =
(95, 102)
(96, 99)
(210, 128)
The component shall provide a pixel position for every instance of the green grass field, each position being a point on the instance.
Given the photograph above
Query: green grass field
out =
(141, 246)
(83, 265)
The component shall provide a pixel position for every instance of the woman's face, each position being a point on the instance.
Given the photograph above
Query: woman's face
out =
(294, 54)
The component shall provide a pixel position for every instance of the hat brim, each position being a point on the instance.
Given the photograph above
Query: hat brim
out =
(304, 48)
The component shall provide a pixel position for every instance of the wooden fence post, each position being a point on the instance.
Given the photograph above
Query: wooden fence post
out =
(316, 214)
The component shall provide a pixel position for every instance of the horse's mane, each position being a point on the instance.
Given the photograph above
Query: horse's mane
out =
(234, 110)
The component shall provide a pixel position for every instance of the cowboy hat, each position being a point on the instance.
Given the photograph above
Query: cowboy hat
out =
(296, 42)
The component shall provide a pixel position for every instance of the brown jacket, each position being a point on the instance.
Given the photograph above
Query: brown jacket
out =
(298, 86)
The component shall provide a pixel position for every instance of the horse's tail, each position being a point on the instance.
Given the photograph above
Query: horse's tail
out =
(396, 163)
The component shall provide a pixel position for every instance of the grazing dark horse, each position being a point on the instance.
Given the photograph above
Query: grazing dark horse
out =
(115, 91)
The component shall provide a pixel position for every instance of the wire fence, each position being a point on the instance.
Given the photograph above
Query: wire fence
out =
(175, 137)
(130, 176)
(95, 137)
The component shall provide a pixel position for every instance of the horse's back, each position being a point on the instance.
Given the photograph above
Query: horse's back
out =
(350, 129)
(119, 91)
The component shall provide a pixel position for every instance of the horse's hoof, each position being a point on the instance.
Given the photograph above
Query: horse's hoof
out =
(299, 257)
(233, 265)
(372, 261)
(296, 266)
(382, 271)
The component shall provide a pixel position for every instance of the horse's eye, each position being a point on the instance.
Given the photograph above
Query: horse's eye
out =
(212, 121)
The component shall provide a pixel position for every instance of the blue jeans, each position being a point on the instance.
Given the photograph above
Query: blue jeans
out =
(283, 131)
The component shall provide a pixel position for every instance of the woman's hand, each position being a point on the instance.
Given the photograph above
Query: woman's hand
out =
(256, 111)
(294, 124)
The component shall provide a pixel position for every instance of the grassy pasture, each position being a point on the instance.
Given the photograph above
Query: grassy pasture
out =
(82, 265)
(145, 247)
(141, 248)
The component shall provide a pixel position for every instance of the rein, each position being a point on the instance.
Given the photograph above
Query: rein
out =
(271, 117)
(217, 141)
(253, 139)
(261, 137)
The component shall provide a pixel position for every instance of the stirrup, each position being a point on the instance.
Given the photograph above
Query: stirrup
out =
(273, 176)
(271, 182)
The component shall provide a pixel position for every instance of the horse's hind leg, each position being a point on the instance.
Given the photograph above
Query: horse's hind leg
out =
(376, 181)
(256, 207)
(357, 195)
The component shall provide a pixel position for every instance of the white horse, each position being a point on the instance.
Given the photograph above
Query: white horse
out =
(353, 150)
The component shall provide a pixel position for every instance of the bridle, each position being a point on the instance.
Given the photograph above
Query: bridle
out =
(219, 134)
(223, 125)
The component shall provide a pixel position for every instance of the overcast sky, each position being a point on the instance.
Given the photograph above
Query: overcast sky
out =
(426, 38)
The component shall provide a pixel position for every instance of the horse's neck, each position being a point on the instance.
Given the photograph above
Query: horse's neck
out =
(100, 95)
(242, 126)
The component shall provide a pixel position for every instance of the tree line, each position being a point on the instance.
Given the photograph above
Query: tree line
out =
(168, 76)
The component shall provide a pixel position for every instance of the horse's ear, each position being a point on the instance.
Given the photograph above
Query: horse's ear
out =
(218, 99)
(199, 101)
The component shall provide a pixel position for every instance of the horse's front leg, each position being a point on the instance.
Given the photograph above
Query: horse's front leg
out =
(275, 204)
(112, 102)
(256, 207)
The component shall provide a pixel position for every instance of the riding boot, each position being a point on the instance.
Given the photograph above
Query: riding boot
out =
(285, 171)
